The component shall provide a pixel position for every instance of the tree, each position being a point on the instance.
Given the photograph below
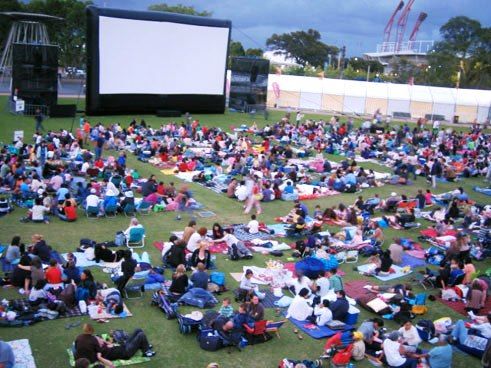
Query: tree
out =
(179, 8)
(254, 52)
(68, 34)
(304, 47)
(236, 49)
(465, 50)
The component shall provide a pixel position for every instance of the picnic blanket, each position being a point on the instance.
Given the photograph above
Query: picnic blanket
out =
(269, 298)
(23, 353)
(417, 253)
(368, 268)
(136, 359)
(355, 288)
(83, 262)
(431, 233)
(242, 234)
(413, 262)
(93, 313)
(257, 246)
(278, 229)
(266, 276)
(459, 306)
(317, 332)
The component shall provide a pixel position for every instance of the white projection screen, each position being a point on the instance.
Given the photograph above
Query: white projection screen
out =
(146, 62)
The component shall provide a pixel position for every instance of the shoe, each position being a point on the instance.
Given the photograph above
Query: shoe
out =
(149, 353)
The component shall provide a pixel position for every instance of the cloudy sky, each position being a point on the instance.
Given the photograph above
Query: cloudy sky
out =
(358, 24)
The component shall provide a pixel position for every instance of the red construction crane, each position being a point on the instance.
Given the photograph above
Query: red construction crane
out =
(401, 24)
(388, 27)
(422, 16)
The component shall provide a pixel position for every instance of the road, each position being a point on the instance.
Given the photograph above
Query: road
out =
(66, 87)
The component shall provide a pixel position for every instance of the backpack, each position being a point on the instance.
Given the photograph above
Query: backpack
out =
(87, 243)
(343, 357)
(218, 278)
(120, 239)
(209, 340)
(119, 336)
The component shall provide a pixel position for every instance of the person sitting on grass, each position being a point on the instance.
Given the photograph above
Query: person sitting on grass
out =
(200, 277)
(246, 287)
(179, 283)
(255, 309)
(226, 309)
(201, 255)
(96, 349)
(300, 308)
(111, 300)
(67, 212)
(322, 313)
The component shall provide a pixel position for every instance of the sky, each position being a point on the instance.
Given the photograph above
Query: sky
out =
(357, 24)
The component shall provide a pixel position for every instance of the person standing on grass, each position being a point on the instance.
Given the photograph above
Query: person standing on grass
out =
(99, 144)
(38, 118)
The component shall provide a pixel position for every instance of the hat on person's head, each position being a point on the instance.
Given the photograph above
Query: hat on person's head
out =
(393, 194)
(357, 335)
(128, 194)
(394, 335)
(93, 191)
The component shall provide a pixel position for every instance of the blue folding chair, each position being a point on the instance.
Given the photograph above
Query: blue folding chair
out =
(136, 238)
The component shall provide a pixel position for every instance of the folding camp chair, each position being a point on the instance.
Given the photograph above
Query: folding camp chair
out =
(129, 210)
(274, 327)
(144, 208)
(136, 285)
(92, 212)
(111, 211)
(258, 330)
(341, 257)
(351, 256)
(136, 238)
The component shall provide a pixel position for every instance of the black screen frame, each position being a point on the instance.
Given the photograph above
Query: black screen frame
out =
(114, 104)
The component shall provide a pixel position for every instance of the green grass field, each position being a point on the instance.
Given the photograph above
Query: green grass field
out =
(50, 339)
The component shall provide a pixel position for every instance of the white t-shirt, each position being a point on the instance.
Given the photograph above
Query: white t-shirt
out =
(92, 201)
(299, 309)
(253, 226)
(193, 242)
(304, 283)
(324, 286)
(38, 212)
(324, 315)
(392, 354)
(241, 193)
(85, 167)
(411, 336)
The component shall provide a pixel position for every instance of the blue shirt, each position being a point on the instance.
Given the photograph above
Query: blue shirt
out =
(441, 357)
(6, 355)
(61, 193)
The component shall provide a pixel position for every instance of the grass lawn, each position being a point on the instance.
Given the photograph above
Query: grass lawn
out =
(50, 339)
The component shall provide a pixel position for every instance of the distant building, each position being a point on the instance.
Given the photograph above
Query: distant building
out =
(413, 51)
(280, 60)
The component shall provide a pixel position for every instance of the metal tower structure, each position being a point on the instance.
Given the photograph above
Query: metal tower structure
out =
(422, 16)
(388, 27)
(401, 24)
(27, 28)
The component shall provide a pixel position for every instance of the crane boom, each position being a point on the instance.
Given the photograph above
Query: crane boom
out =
(401, 24)
(422, 16)
(388, 27)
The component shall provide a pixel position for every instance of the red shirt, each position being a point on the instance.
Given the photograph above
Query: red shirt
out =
(71, 213)
(53, 275)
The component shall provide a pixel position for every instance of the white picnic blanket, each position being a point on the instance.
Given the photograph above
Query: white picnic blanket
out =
(267, 276)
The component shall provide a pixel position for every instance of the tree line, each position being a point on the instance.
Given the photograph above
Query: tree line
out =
(462, 58)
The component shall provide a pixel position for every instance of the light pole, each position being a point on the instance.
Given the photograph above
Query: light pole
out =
(368, 72)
